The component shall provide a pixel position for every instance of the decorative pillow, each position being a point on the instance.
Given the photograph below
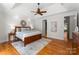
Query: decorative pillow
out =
(25, 29)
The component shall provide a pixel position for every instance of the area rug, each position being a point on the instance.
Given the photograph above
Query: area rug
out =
(32, 48)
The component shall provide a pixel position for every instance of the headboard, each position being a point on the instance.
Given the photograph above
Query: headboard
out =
(18, 28)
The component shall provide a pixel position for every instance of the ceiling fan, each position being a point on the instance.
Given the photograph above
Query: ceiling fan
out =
(39, 11)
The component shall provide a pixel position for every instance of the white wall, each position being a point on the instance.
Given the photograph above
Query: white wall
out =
(59, 34)
(3, 16)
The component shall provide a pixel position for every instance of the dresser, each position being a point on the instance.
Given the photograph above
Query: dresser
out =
(75, 36)
(75, 43)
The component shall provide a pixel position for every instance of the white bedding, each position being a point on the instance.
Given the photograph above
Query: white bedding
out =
(24, 34)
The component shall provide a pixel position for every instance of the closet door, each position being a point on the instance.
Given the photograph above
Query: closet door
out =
(44, 28)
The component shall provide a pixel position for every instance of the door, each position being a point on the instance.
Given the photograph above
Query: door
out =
(44, 28)
(66, 28)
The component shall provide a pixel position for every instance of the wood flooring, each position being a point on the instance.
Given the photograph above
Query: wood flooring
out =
(7, 49)
(55, 47)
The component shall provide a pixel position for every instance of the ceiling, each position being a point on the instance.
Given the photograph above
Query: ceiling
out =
(33, 5)
(51, 8)
(71, 6)
(44, 5)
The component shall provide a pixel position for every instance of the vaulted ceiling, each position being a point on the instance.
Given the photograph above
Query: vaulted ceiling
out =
(27, 8)
(67, 5)
(52, 8)
(70, 6)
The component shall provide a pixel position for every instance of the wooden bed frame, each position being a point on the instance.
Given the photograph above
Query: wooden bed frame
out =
(29, 39)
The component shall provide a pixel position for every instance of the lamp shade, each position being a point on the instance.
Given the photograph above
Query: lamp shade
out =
(12, 26)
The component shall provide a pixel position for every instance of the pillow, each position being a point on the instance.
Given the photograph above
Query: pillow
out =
(25, 29)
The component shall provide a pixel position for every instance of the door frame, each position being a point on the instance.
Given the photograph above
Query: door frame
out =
(68, 28)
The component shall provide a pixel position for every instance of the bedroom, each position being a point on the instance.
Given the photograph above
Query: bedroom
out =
(11, 15)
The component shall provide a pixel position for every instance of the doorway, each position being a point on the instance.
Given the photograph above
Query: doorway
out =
(69, 26)
(44, 28)
(66, 28)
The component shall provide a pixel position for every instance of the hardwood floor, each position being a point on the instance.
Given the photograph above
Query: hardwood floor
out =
(55, 47)
(65, 37)
(7, 49)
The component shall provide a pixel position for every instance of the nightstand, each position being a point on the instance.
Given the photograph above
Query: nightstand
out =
(10, 35)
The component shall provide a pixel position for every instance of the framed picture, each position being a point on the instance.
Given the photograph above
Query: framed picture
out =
(54, 26)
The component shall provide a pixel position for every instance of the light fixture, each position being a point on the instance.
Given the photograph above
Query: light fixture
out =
(39, 11)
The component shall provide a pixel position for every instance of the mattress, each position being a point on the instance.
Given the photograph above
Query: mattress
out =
(24, 34)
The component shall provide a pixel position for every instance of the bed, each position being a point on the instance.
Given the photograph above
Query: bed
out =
(27, 36)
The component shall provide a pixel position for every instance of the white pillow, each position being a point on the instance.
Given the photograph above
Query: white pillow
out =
(25, 29)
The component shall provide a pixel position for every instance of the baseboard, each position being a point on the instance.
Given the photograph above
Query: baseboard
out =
(52, 38)
(4, 42)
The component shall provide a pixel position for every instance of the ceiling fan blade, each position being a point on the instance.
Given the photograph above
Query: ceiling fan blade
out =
(41, 14)
(43, 11)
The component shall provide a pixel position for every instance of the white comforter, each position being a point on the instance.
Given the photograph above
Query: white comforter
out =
(24, 34)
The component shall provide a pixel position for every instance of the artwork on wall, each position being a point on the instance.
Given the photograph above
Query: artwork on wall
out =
(23, 23)
(54, 26)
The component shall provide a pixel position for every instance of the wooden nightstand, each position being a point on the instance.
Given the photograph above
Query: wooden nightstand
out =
(10, 35)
